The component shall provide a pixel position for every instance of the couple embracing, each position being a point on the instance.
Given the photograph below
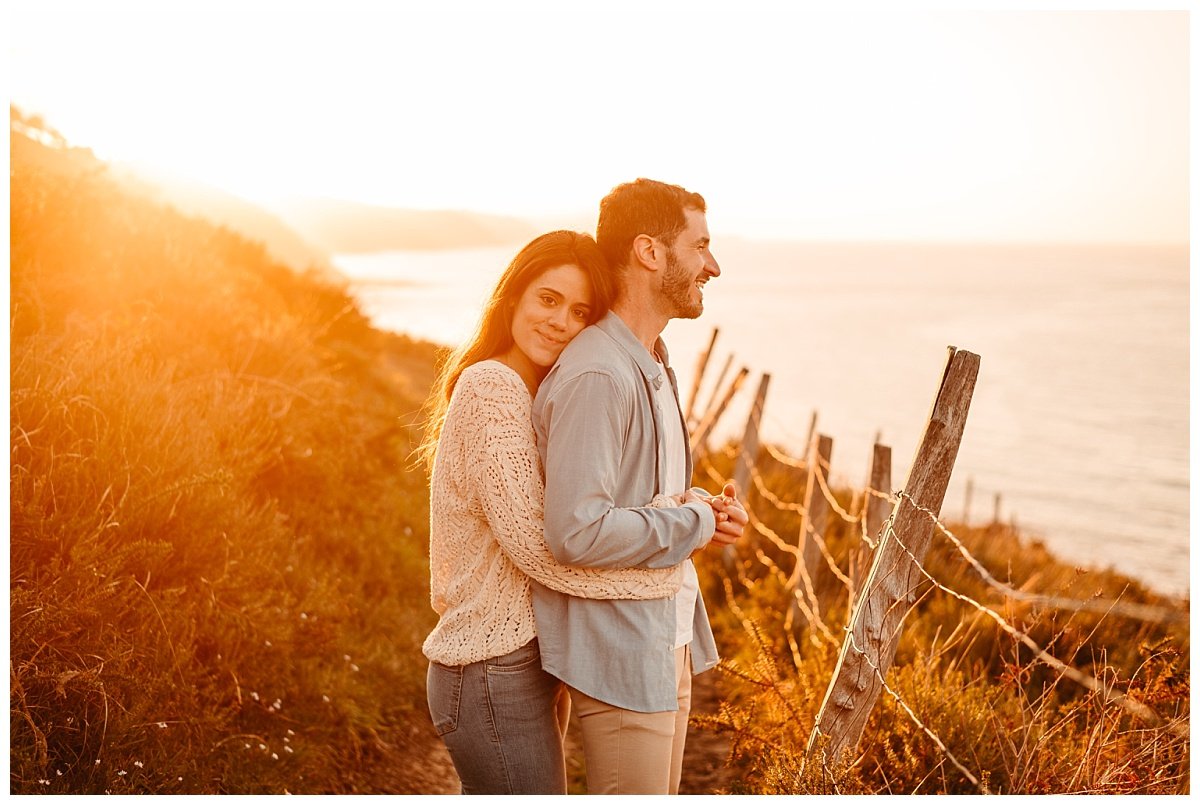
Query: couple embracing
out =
(561, 520)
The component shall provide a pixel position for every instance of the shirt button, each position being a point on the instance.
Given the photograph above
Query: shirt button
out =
(658, 381)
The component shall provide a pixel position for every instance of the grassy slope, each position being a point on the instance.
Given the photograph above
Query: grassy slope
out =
(218, 573)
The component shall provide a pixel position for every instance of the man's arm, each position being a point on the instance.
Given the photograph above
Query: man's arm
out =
(585, 424)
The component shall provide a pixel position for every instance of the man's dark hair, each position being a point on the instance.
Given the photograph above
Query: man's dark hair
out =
(642, 207)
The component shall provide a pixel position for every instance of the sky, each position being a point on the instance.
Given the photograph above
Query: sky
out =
(873, 122)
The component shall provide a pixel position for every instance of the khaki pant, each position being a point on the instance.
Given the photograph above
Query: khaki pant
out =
(628, 752)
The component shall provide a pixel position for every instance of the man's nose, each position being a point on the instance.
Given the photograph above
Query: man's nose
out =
(711, 266)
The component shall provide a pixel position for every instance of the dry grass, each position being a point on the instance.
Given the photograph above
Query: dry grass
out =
(1013, 722)
(218, 574)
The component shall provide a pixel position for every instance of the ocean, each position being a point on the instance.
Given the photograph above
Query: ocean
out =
(1079, 419)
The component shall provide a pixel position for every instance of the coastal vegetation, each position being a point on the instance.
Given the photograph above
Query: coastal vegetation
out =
(218, 572)
(217, 553)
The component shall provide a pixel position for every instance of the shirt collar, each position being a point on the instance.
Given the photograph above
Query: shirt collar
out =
(619, 331)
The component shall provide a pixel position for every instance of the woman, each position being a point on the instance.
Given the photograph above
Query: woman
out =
(501, 716)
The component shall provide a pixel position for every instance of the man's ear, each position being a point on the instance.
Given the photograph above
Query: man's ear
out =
(646, 251)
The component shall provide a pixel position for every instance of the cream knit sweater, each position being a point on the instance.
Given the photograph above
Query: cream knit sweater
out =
(485, 527)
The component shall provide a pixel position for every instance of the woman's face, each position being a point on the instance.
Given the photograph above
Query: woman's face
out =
(551, 311)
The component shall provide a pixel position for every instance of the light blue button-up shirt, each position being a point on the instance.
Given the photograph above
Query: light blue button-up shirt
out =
(598, 426)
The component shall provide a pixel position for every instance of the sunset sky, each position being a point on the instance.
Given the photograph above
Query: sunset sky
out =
(904, 124)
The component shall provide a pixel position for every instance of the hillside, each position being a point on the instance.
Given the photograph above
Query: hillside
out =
(217, 541)
(249, 220)
(351, 227)
(194, 199)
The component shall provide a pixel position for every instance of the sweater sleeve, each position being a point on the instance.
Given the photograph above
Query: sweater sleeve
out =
(506, 477)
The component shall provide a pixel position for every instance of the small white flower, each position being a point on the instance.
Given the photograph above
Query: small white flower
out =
(58, 772)
(162, 725)
(97, 761)
(121, 773)
(247, 746)
(288, 749)
(274, 756)
(287, 740)
(353, 667)
(267, 643)
(262, 747)
(180, 779)
(44, 782)
(303, 616)
(291, 733)
(346, 657)
(324, 698)
(139, 764)
(254, 695)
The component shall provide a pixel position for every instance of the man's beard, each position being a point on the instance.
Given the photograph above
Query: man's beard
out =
(677, 286)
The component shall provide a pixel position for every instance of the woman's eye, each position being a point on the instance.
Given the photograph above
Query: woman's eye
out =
(547, 300)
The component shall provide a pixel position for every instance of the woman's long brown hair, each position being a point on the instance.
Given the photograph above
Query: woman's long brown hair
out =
(493, 335)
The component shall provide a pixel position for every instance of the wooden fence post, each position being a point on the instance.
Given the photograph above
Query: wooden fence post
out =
(814, 518)
(743, 469)
(876, 511)
(895, 578)
(748, 455)
(700, 437)
(701, 366)
(716, 391)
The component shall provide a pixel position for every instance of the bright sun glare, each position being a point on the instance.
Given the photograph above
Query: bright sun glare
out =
(877, 124)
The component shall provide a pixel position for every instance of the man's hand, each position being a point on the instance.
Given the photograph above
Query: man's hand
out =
(731, 516)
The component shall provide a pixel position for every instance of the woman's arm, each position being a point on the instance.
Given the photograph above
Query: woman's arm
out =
(508, 481)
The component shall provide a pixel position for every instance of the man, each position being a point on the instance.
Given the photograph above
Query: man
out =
(612, 437)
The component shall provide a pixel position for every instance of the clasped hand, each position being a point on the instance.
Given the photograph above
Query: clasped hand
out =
(731, 516)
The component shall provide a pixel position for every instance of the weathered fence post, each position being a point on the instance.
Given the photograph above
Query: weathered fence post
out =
(812, 428)
(876, 511)
(743, 469)
(816, 515)
(812, 521)
(700, 437)
(701, 366)
(716, 390)
(748, 455)
(895, 577)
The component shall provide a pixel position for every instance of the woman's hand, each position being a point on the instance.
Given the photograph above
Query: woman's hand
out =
(731, 516)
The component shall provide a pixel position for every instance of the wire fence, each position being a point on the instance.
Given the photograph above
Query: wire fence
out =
(817, 583)
(805, 599)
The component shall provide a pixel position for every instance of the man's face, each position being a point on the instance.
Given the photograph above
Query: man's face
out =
(689, 265)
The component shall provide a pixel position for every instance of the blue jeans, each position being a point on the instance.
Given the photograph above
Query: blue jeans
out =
(503, 720)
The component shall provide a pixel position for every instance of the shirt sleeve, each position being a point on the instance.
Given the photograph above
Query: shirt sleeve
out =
(584, 524)
(507, 479)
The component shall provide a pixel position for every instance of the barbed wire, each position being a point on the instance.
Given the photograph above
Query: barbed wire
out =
(1129, 704)
(783, 458)
(983, 789)
(803, 593)
(1144, 612)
